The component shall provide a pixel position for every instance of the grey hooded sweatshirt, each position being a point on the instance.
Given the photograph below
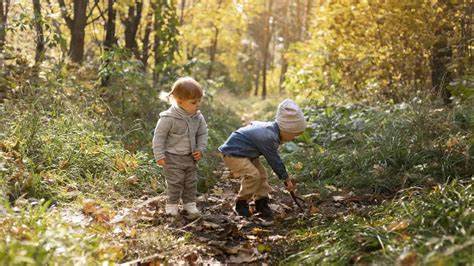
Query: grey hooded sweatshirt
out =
(179, 132)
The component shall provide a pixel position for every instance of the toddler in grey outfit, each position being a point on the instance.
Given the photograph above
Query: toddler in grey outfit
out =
(179, 139)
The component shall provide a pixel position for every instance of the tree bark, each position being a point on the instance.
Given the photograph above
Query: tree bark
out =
(146, 41)
(257, 82)
(213, 48)
(110, 38)
(267, 39)
(4, 8)
(212, 52)
(77, 27)
(181, 16)
(286, 45)
(307, 19)
(441, 57)
(131, 27)
(40, 47)
(78, 31)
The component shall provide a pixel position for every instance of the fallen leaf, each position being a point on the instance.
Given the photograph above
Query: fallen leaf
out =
(314, 210)
(132, 180)
(407, 258)
(102, 215)
(259, 231)
(210, 225)
(331, 187)
(242, 257)
(191, 258)
(338, 198)
(399, 225)
(298, 166)
(89, 206)
(378, 169)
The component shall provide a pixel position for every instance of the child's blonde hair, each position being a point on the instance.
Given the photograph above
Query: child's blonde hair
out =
(185, 88)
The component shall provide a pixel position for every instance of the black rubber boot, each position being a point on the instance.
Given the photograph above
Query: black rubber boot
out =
(242, 208)
(261, 205)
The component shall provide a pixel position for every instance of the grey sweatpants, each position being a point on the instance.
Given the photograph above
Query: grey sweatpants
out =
(181, 178)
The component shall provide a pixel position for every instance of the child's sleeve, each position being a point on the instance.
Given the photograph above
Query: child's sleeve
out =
(159, 137)
(269, 150)
(201, 135)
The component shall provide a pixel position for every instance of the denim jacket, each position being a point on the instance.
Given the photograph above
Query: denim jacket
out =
(258, 138)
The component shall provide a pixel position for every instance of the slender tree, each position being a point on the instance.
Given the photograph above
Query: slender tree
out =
(40, 43)
(110, 38)
(146, 40)
(213, 47)
(4, 8)
(131, 23)
(267, 36)
(77, 26)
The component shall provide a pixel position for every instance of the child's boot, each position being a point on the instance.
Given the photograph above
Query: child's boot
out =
(242, 208)
(261, 205)
(192, 210)
(171, 209)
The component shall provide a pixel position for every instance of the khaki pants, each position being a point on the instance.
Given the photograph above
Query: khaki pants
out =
(254, 180)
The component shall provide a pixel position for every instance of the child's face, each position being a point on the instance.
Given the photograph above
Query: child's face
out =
(286, 136)
(191, 106)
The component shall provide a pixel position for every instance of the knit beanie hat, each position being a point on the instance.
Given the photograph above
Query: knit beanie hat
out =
(289, 117)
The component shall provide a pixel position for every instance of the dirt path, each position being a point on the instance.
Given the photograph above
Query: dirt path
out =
(221, 237)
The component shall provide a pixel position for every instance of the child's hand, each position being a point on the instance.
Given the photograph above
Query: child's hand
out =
(197, 155)
(161, 162)
(289, 184)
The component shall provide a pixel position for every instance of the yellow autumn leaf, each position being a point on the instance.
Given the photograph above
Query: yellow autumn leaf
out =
(397, 226)
(298, 166)
(264, 248)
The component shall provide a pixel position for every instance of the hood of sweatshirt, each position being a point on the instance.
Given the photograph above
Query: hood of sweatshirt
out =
(178, 112)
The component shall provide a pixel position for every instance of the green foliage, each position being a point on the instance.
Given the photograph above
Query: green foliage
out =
(431, 226)
(131, 105)
(166, 42)
(386, 149)
(37, 235)
(371, 50)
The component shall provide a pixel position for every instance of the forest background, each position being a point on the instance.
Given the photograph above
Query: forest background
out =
(387, 88)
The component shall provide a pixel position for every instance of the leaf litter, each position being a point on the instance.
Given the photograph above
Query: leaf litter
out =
(218, 236)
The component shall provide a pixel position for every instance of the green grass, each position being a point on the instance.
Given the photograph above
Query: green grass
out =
(434, 225)
(38, 236)
(383, 150)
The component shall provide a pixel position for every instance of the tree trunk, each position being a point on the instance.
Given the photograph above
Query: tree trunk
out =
(213, 48)
(181, 16)
(299, 20)
(110, 38)
(307, 19)
(267, 38)
(257, 82)
(40, 50)
(212, 52)
(78, 30)
(131, 26)
(441, 57)
(440, 75)
(146, 40)
(286, 44)
(4, 7)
